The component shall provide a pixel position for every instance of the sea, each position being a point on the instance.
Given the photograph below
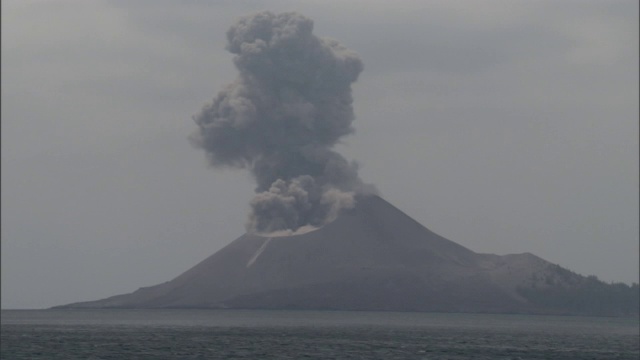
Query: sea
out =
(259, 334)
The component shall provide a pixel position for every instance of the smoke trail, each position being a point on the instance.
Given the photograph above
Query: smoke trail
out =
(290, 104)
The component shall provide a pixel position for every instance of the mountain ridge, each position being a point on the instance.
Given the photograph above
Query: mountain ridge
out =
(371, 257)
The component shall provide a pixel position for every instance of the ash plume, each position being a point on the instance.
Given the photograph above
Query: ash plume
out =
(290, 104)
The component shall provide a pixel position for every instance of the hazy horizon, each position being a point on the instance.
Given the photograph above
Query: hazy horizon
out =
(504, 127)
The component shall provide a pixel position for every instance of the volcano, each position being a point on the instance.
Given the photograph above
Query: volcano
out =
(372, 257)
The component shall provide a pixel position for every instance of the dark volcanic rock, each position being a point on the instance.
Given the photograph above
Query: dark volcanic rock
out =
(372, 257)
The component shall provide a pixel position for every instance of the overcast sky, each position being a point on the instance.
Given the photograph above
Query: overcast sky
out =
(505, 126)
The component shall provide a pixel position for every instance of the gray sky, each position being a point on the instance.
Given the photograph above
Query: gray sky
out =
(505, 126)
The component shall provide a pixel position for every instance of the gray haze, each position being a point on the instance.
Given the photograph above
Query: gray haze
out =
(289, 106)
(505, 126)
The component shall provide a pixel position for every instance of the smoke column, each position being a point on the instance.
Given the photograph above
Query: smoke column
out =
(290, 104)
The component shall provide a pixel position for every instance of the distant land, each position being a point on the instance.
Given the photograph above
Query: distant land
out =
(374, 257)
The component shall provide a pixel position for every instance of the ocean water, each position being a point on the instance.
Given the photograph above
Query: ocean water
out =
(239, 334)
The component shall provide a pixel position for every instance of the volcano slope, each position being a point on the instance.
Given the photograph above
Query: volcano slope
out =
(374, 257)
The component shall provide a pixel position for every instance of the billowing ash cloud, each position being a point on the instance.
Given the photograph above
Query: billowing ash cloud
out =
(280, 119)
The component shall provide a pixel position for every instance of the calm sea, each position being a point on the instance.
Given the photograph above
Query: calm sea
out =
(236, 334)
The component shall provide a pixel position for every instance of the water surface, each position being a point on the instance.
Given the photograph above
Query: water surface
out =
(239, 334)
